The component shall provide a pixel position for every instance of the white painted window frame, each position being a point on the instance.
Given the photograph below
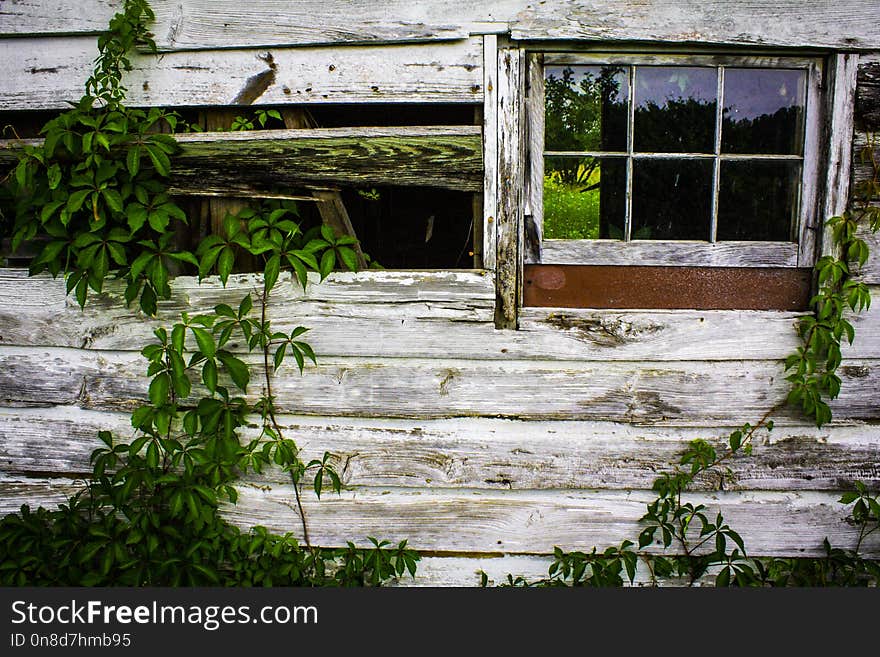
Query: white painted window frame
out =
(801, 253)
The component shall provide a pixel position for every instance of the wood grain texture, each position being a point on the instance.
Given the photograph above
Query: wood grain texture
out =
(413, 314)
(509, 522)
(682, 253)
(511, 177)
(848, 24)
(867, 110)
(483, 453)
(490, 149)
(187, 24)
(840, 101)
(448, 157)
(190, 24)
(682, 392)
(44, 73)
(45, 17)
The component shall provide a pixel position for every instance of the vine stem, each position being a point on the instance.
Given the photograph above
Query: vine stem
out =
(270, 409)
(683, 525)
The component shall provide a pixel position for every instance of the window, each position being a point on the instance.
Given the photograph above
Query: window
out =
(703, 163)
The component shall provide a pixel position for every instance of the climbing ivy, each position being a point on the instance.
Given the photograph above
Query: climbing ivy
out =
(705, 544)
(95, 195)
(814, 365)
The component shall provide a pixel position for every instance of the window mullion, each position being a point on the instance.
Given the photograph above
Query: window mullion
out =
(630, 130)
(716, 167)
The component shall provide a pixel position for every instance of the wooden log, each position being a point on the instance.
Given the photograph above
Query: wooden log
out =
(511, 176)
(45, 73)
(483, 453)
(256, 161)
(263, 160)
(647, 393)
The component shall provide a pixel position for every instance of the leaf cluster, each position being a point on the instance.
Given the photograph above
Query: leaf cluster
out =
(812, 369)
(95, 196)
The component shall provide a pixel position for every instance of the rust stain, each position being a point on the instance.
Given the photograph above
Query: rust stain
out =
(697, 288)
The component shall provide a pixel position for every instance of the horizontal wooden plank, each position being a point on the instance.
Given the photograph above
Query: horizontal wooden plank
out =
(719, 288)
(45, 17)
(682, 253)
(650, 393)
(267, 160)
(846, 25)
(215, 23)
(468, 571)
(181, 24)
(44, 73)
(256, 162)
(483, 453)
(507, 522)
(199, 24)
(417, 315)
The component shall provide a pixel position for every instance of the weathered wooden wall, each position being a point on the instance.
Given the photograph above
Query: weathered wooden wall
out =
(483, 447)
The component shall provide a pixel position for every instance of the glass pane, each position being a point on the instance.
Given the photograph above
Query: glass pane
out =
(671, 199)
(584, 198)
(758, 200)
(763, 111)
(585, 108)
(675, 109)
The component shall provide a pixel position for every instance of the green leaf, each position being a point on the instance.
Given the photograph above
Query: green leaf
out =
(209, 374)
(328, 261)
(133, 160)
(205, 341)
(54, 176)
(159, 388)
(272, 269)
(237, 369)
(160, 160)
(225, 263)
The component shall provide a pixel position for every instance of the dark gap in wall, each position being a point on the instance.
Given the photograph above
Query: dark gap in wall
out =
(399, 227)
(413, 227)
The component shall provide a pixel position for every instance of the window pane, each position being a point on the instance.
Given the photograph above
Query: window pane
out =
(758, 200)
(585, 108)
(671, 199)
(675, 109)
(584, 198)
(763, 111)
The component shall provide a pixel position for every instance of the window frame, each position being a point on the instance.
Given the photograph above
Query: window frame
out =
(680, 253)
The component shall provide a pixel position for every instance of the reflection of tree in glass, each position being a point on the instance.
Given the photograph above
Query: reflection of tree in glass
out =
(777, 133)
(680, 125)
(584, 115)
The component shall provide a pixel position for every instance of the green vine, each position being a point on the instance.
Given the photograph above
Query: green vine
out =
(814, 366)
(706, 544)
(95, 194)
